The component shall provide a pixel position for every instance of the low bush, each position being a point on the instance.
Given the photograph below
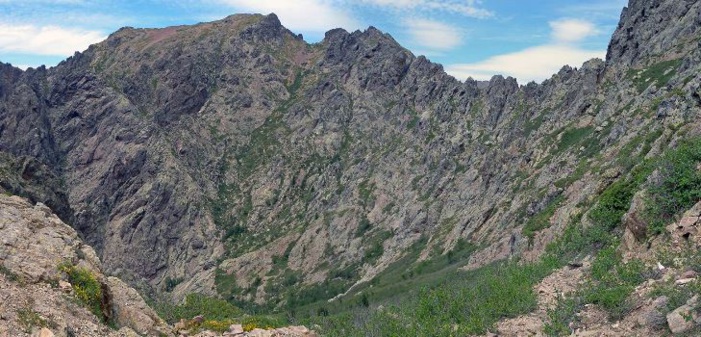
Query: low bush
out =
(541, 220)
(197, 304)
(87, 289)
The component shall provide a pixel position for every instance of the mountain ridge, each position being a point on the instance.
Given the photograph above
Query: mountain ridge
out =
(232, 156)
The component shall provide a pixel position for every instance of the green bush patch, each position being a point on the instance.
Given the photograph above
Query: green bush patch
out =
(88, 290)
(658, 74)
(676, 187)
(541, 220)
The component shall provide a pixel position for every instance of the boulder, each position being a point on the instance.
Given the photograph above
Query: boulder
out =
(684, 318)
(131, 310)
(236, 329)
(44, 332)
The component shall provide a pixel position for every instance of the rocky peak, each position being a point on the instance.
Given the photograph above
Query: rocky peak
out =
(8, 75)
(267, 30)
(650, 29)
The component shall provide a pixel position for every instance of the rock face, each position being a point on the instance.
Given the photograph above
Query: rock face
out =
(229, 155)
(651, 28)
(35, 296)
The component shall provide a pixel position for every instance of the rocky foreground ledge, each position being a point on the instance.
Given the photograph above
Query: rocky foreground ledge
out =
(238, 331)
(52, 284)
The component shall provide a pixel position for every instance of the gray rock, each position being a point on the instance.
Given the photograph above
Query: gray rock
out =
(685, 317)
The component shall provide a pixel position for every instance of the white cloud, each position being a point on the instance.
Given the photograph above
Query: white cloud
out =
(300, 15)
(540, 62)
(532, 64)
(433, 35)
(46, 40)
(572, 30)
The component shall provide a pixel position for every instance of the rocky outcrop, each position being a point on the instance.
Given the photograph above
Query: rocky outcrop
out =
(685, 318)
(35, 250)
(650, 29)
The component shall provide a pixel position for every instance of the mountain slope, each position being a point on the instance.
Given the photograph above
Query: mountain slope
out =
(233, 158)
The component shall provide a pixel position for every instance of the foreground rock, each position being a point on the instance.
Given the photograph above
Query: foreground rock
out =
(237, 330)
(686, 317)
(36, 298)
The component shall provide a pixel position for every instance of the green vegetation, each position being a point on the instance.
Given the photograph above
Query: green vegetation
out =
(541, 220)
(615, 201)
(226, 285)
(365, 190)
(573, 136)
(468, 304)
(363, 226)
(559, 317)
(658, 74)
(337, 282)
(9, 275)
(413, 119)
(613, 282)
(87, 289)
(581, 169)
(677, 187)
(196, 304)
(171, 283)
(637, 148)
(296, 84)
(375, 244)
(29, 319)
(218, 315)
(262, 145)
(533, 124)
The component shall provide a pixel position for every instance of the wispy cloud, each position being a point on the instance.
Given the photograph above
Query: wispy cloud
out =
(46, 40)
(469, 8)
(433, 35)
(539, 62)
(300, 15)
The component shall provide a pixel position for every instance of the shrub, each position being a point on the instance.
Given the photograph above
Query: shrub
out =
(613, 281)
(197, 304)
(560, 317)
(573, 136)
(541, 220)
(659, 74)
(87, 289)
(171, 283)
(677, 186)
(9, 275)
(29, 319)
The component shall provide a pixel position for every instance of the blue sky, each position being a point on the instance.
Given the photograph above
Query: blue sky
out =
(527, 39)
